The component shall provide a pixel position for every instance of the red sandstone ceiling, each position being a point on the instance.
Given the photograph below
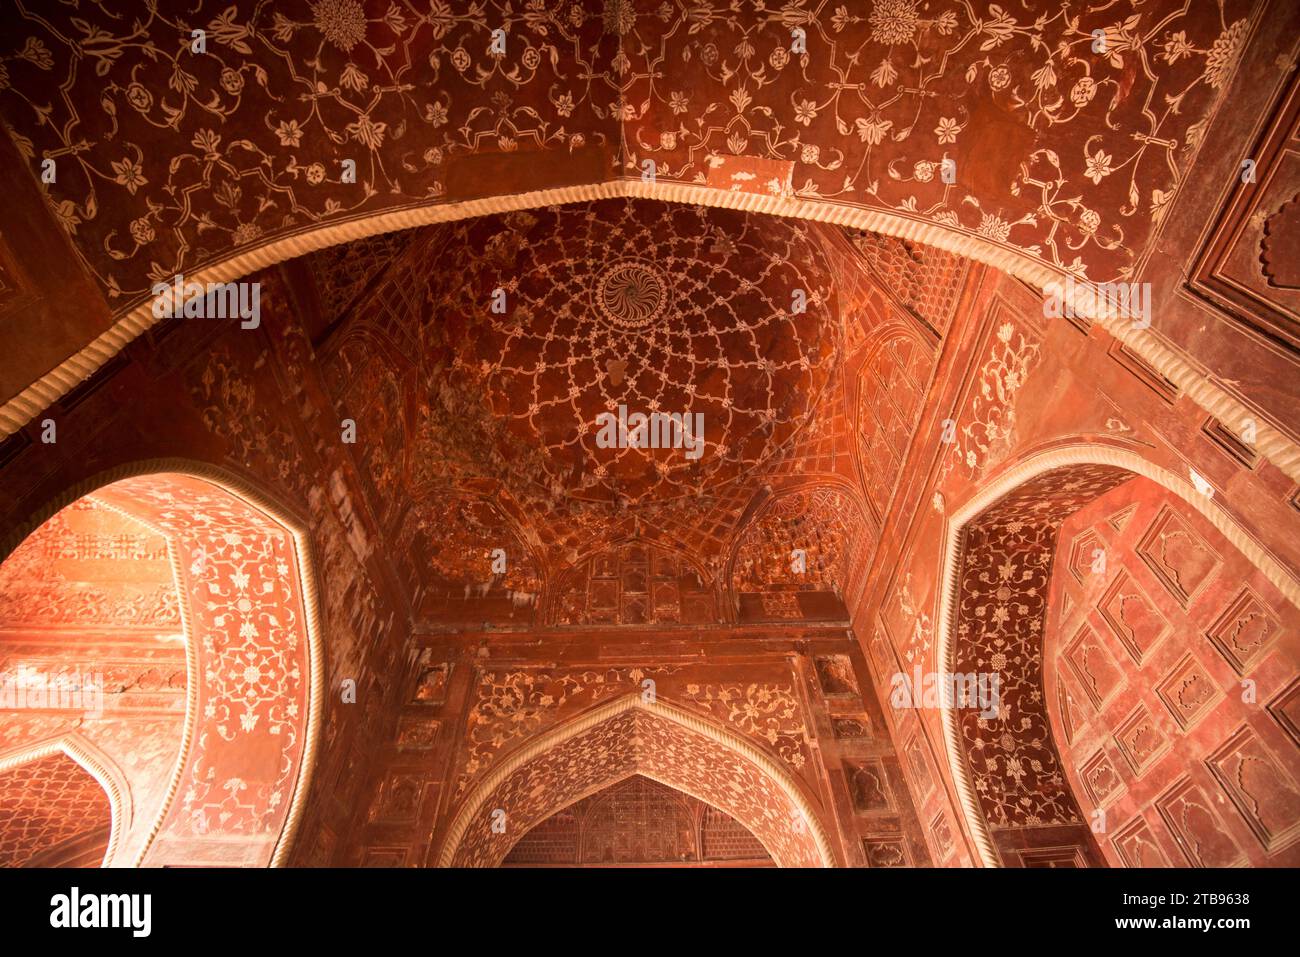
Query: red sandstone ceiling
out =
(475, 357)
(1071, 128)
(644, 305)
(482, 425)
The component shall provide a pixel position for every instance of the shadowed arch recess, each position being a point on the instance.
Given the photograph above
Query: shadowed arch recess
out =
(638, 822)
(626, 737)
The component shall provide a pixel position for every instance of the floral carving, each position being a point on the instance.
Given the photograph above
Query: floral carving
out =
(511, 705)
(991, 412)
(241, 585)
(1006, 564)
(170, 159)
(628, 743)
(769, 712)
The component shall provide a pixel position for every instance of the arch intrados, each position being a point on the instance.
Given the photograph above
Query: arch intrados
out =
(267, 507)
(950, 579)
(95, 763)
(1271, 443)
(475, 801)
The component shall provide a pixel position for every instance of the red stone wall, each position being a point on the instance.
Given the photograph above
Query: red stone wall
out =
(1014, 384)
(796, 694)
(1173, 684)
(251, 402)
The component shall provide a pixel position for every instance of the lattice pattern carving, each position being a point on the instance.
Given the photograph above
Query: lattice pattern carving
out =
(47, 802)
(925, 279)
(637, 821)
(805, 540)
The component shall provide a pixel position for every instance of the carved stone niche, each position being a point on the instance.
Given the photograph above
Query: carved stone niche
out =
(1250, 267)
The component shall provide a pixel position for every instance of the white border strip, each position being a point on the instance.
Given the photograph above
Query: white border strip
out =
(1277, 447)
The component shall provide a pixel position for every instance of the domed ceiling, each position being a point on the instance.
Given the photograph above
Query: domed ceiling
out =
(1003, 129)
(481, 362)
(647, 307)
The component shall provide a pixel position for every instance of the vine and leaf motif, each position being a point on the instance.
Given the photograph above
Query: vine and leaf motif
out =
(985, 438)
(240, 575)
(511, 706)
(765, 711)
(170, 158)
(921, 640)
(1006, 564)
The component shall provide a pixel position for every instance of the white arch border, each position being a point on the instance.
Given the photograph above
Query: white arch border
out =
(950, 581)
(1276, 446)
(476, 799)
(299, 532)
(95, 763)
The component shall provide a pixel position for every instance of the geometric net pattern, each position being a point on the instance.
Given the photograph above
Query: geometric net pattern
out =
(46, 802)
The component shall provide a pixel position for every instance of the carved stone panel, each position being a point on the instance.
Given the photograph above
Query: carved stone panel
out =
(1251, 264)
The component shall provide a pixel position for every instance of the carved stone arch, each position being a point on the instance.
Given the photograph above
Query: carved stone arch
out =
(282, 704)
(685, 581)
(858, 524)
(1012, 215)
(1271, 443)
(614, 741)
(25, 406)
(1055, 482)
(99, 766)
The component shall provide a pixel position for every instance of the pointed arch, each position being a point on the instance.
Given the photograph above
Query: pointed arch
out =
(1101, 467)
(858, 540)
(246, 581)
(1273, 444)
(95, 763)
(633, 735)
